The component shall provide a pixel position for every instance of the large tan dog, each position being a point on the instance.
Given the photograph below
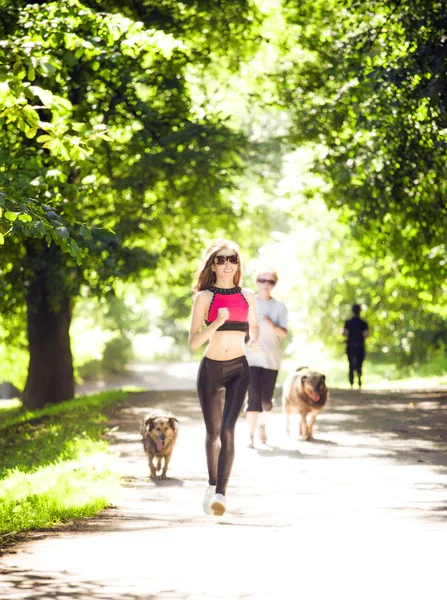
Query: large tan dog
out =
(304, 393)
(159, 432)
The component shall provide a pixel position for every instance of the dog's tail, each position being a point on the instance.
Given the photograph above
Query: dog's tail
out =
(300, 369)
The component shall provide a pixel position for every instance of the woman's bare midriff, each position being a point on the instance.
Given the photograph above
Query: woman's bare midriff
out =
(226, 345)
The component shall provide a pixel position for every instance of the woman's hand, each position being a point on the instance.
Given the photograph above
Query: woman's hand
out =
(223, 314)
(254, 345)
(269, 322)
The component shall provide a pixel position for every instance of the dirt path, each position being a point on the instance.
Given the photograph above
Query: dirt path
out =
(359, 513)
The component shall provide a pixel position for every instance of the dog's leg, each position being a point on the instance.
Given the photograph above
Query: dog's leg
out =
(303, 427)
(165, 467)
(313, 416)
(152, 466)
(159, 463)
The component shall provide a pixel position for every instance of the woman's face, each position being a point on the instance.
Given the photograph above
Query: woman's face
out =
(222, 266)
(265, 282)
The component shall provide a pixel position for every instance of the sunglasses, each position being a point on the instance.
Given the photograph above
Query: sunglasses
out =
(270, 281)
(222, 259)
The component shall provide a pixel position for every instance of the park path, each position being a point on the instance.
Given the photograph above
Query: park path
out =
(359, 513)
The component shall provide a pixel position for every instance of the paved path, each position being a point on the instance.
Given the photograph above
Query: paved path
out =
(359, 513)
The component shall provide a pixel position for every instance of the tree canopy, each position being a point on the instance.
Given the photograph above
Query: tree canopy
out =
(105, 151)
(366, 81)
(128, 128)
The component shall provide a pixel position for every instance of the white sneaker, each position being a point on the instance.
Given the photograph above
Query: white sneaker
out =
(218, 505)
(210, 492)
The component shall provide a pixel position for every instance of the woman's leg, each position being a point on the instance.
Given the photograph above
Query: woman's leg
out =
(351, 359)
(360, 359)
(209, 387)
(268, 383)
(254, 407)
(236, 389)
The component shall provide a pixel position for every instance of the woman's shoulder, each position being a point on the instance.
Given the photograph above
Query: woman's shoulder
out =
(249, 294)
(203, 295)
(279, 303)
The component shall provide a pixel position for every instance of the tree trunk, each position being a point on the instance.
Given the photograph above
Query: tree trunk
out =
(50, 371)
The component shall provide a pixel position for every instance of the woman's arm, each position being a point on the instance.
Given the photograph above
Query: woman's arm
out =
(253, 327)
(197, 336)
(279, 331)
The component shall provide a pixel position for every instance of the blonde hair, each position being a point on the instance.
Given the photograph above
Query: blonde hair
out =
(265, 270)
(205, 276)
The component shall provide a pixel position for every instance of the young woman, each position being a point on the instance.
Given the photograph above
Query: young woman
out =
(228, 313)
(264, 365)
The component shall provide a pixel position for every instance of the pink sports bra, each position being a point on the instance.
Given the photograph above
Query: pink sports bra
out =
(234, 300)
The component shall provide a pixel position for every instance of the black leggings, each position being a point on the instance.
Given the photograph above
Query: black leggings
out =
(355, 358)
(212, 378)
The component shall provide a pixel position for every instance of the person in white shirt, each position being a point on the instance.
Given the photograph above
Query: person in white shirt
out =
(265, 364)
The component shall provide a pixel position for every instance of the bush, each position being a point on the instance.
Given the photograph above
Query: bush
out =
(117, 353)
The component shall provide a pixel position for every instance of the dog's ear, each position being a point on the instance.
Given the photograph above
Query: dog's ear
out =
(323, 378)
(150, 422)
(303, 379)
(172, 421)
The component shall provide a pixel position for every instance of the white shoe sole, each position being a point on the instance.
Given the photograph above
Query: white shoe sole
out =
(218, 508)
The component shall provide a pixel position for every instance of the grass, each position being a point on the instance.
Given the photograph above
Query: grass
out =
(55, 464)
(9, 409)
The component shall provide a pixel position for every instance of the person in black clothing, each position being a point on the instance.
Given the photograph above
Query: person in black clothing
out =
(356, 332)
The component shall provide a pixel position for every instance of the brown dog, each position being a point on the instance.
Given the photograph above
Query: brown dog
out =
(159, 432)
(304, 393)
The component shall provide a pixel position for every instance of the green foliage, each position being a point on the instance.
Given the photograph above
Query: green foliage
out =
(117, 169)
(367, 86)
(102, 331)
(117, 353)
(9, 408)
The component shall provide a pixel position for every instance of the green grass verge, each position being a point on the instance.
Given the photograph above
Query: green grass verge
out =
(9, 409)
(55, 464)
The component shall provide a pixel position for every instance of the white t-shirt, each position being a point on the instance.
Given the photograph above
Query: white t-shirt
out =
(271, 353)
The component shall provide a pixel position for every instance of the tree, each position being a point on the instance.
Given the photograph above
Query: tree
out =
(366, 83)
(103, 139)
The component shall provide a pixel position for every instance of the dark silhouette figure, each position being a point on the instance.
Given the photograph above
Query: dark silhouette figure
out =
(356, 332)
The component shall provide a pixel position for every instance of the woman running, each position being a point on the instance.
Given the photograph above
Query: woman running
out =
(228, 312)
(265, 365)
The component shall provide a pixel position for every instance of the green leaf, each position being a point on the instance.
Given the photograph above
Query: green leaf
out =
(2, 239)
(62, 232)
(46, 96)
(85, 232)
(62, 102)
(19, 70)
(30, 133)
(25, 218)
(39, 227)
(74, 249)
(11, 216)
